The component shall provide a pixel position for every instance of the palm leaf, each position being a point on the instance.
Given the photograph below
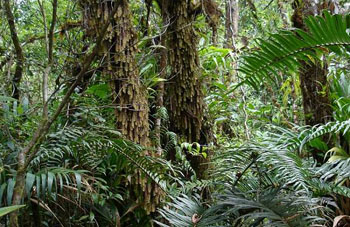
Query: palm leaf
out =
(184, 209)
(285, 49)
(270, 207)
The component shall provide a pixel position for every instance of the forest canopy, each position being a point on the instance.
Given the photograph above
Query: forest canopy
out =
(175, 113)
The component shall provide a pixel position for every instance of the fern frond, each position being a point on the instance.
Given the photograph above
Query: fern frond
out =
(151, 166)
(270, 207)
(339, 170)
(285, 49)
(330, 127)
(44, 182)
(324, 188)
(188, 211)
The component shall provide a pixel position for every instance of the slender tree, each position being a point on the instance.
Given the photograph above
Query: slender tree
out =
(16, 81)
(231, 23)
(163, 74)
(27, 154)
(49, 43)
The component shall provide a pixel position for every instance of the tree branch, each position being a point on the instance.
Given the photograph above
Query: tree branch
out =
(52, 30)
(49, 48)
(19, 52)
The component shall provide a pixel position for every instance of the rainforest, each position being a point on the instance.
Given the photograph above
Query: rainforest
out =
(174, 113)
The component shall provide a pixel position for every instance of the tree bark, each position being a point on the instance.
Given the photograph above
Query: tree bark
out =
(184, 94)
(313, 78)
(16, 81)
(49, 41)
(160, 90)
(184, 87)
(231, 23)
(130, 96)
(120, 66)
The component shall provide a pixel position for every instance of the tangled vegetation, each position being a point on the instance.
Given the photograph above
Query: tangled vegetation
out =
(174, 113)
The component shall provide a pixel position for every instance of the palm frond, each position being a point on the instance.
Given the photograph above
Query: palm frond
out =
(270, 207)
(152, 167)
(188, 211)
(330, 127)
(43, 183)
(285, 49)
(85, 148)
(338, 171)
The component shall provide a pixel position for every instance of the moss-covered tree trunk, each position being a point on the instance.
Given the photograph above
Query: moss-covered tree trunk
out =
(130, 97)
(120, 67)
(184, 88)
(184, 96)
(313, 77)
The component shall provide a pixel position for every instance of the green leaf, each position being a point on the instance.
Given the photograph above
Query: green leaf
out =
(318, 144)
(43, 183)
(78, 179)
(286, 49)
(50, 180)
(38, 181)
(197, 147)
(100, 90)
(10, 187)
(30, 179)
(147, 67)
(337, 154)
(6, 210)
(2, 189)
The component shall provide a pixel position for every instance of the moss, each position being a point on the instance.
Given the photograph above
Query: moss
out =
(130, 96)
(184, 89)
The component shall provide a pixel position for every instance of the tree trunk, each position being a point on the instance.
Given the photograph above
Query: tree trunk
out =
(130, 97)
(184, 94)
(161, 86)
(184, 88)
(121, 68)
(16, 81)
(231, 23)
(49, 41)
(313, 78)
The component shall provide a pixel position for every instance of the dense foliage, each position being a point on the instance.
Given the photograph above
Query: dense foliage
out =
(174, 113)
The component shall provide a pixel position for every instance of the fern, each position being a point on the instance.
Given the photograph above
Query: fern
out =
(188, 211)
(330, 127)
(339, 170)
(150, 166)
(270, 207)
(87, 148)
(44, 182)
(284, 50)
